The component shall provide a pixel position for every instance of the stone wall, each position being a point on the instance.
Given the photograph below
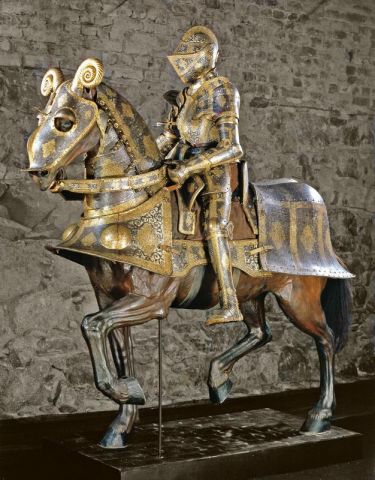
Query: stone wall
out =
(306, 73)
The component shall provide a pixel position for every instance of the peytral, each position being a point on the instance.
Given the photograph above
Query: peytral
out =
(143, 241)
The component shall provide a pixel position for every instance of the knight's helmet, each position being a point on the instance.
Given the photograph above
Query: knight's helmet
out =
(196, 54)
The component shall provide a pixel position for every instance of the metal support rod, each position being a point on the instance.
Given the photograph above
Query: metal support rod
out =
(160, 389)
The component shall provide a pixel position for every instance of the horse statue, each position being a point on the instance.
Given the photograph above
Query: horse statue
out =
(140, 240)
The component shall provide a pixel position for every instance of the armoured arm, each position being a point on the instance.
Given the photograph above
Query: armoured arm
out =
(166, 141)
(169, 137)
(228, 150)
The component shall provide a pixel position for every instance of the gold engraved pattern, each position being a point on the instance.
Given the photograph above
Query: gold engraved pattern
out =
(307, 239)
(127, 110)
(88, 240)
(278, 235)
(152, 218)
(188, 254)
(115, 237)
(69, 232)
(109, 168)
(320, 232)
(49, 148)
(149, 222)
(293, 231)
(147, 239)
(150, 147)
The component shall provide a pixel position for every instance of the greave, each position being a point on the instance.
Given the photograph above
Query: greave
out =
(218, 246)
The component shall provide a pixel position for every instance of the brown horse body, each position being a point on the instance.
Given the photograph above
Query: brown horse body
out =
(129, 295)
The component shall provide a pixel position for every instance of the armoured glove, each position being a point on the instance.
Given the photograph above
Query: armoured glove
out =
(178, 172)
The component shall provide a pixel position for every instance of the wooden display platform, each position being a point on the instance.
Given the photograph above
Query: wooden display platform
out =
(237, 446)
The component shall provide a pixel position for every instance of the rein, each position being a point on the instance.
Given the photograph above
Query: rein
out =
(113, 184)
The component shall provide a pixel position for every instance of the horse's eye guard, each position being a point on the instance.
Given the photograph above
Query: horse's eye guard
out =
(64, 120)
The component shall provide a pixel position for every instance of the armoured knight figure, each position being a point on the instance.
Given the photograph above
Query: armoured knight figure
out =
(201, 137)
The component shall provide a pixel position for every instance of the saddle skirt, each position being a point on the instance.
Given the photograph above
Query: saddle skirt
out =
(293, 235)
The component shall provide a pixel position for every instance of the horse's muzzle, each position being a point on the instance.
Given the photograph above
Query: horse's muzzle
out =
(46, 179)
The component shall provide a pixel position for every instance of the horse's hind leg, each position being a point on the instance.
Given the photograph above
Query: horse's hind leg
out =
(219, 383)
(302, 306)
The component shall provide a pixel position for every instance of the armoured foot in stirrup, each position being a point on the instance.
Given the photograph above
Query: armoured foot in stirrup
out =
(225, 315)
(229, 310)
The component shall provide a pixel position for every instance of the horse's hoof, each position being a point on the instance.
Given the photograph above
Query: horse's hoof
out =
(114, 439)
(128, 390)
(221, 393)
(316, 425)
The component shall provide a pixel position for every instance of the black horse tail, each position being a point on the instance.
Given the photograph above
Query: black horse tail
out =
(337, 305)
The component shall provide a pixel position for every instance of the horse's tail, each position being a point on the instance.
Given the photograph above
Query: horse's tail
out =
(337, 305)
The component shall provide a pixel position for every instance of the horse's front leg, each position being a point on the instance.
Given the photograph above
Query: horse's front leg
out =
(130, 310)
(117, 433)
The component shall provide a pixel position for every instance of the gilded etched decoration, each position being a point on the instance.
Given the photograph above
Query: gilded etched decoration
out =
(127, 110)
(308, 239)
(124, 237)
(151, 149)
(137, 236)
(148, 223)
(147, 239)
(108, 167)
(88, 240)
(115, 237)
(278, 235)
(49, 148)
(293, 232)
(251, 258)
(320, 232)
(187, 254)
(299, 212)
(69, 232)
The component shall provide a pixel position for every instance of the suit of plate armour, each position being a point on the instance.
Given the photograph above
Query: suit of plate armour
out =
(201, 137)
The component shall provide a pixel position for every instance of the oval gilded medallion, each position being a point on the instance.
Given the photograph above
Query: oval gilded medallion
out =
(115, 237)
(69, 232)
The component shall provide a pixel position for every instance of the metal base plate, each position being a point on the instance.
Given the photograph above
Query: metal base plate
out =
(238, 445)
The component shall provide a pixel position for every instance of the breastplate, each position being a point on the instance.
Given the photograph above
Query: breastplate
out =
(195, 126)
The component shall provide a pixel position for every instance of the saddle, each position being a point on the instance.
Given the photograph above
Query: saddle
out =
(243, 221)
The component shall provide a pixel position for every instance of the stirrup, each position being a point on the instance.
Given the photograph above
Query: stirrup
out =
(225, 315)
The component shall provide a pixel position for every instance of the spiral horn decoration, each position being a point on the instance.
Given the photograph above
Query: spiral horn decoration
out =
(51, 81)
(89, 74)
